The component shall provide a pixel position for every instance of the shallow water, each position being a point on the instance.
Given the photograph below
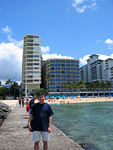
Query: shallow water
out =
(90, 124)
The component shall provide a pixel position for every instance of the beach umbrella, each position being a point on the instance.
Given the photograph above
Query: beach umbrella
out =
(46, 96)
(58, 96)
(52, 96)
(63, 95)
(26, 97)
(86, 96)
(72, 96)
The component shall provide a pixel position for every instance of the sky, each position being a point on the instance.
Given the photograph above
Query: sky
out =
(68, 28)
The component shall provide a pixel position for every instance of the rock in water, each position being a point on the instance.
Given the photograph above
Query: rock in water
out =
(4, 110)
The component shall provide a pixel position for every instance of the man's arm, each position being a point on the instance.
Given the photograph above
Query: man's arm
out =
(29, 122)
(50, 122)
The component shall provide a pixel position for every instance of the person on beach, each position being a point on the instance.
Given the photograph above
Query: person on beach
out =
(19, 101)
(27, 107)
(31, 103)
(42, 119)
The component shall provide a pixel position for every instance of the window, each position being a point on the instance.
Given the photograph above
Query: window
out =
(36, 55)
(67, 61)
(29, 68)
(57, 68)
(52, 61)
(62, 64)
(57, 61)
(29, 56)
(57, 75)
(36, 44)
(36, 63)
(62, 61)
(63, 75)
(29, 80)
(29, 65)
(36, 67)
(57, 71)
(29, 73)
(36, 36)
(36, 80)
(37, 76)
(36, 72)
(62, 79)
(62, 68)
(67, 64)
(29, 76)
(72, 61)
(36, 59)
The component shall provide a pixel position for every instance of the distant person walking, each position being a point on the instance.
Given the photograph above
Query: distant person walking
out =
(19, 101)
(42, 119)
(27, 107)
(22, 101)
(31, 103)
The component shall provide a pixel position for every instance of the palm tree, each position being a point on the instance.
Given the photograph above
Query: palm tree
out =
(48, 78)
(10, 83)
(74, 85)
(109, 85)
(80, 85)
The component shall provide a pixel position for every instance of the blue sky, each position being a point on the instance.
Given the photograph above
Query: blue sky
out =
(71, 28)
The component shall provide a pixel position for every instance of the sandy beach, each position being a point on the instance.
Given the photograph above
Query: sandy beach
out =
(79, 100)
(64, 100)
(10, 102)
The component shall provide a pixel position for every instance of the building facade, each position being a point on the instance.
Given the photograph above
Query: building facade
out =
(97, 70)
(57, 72)
(31, 64)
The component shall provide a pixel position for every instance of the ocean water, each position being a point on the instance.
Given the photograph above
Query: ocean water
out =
(88, 124)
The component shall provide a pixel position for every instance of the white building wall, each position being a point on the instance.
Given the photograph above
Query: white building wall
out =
(98, 70)
(31, 65)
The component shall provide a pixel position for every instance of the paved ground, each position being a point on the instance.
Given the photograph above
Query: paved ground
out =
(15, 136)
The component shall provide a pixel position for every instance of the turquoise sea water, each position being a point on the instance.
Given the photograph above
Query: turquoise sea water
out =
(86, 123)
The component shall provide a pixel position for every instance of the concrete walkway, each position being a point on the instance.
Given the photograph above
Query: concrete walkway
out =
(15, 136)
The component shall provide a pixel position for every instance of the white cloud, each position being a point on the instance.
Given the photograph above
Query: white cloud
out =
(7, 30)
(10, 62)
(99, 41)
(51, 56)
(82, 5)
(104, 57)
(47, 55)
(45, 49)
(81, 10)
(10, 58)
(83, 60)
(110, 43)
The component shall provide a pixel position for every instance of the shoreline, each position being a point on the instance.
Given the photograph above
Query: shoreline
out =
(79, 100)
(13, 103)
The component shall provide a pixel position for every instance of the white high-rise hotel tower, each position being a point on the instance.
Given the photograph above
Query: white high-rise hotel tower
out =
(31, 64)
